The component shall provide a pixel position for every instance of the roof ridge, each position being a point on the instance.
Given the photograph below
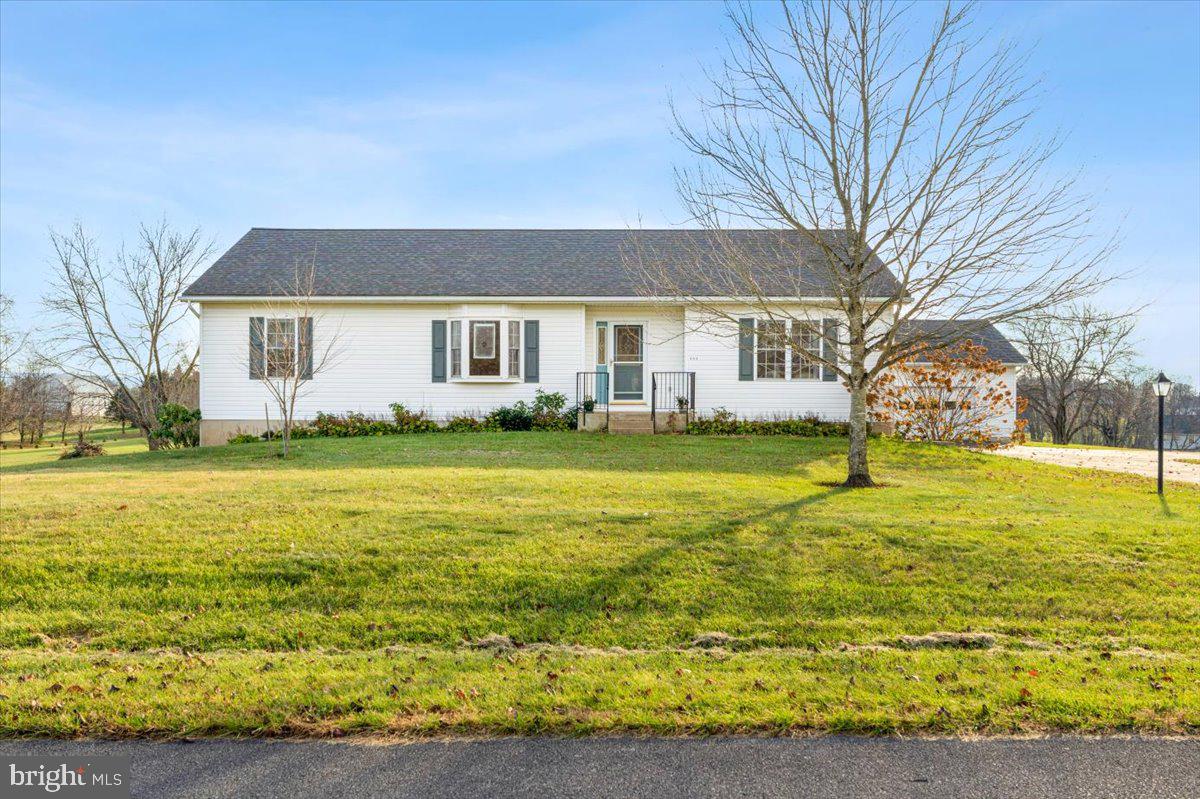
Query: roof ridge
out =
(537, 229)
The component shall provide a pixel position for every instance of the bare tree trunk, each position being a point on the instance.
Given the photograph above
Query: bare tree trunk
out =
(858, 475)
(1058, 427)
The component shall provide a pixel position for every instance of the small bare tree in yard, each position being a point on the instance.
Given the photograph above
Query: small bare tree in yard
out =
(290, 345)
(118, 327)
(952, 394)
(1072, 354)
(872, 142)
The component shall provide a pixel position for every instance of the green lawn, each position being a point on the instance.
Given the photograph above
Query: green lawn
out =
(114, 440)
(223, 591)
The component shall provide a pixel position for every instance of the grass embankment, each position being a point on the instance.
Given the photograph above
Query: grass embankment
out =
(223, 591)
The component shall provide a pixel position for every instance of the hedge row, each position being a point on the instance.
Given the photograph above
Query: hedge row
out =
(725, 423)
(546, 412)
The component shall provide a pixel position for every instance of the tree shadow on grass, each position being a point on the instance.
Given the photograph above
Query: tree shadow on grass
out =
(632, 578)
(775, 455)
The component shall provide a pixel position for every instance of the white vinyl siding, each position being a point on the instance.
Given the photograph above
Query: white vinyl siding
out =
(382, 357)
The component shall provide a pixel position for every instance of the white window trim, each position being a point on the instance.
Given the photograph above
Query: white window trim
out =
(501, 344)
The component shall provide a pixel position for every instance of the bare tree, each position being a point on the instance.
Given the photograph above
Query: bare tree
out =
(1072, 354)
(13, 345)
(871, 154)
(1124, 400)
(290, 345)
(118, 327)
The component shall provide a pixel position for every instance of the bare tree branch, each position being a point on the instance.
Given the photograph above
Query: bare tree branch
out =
(117, 326)
(874, 151)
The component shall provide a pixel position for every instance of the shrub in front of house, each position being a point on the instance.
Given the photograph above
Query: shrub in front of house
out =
(178, 426)
(724, 422)
(548, 411)
(411, 421)
(515, 417)
(466, 424)
(349, 424)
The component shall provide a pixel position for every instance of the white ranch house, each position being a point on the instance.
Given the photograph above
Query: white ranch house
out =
(462, 321)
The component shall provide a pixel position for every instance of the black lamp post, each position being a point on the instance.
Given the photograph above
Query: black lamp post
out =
(1162, 387)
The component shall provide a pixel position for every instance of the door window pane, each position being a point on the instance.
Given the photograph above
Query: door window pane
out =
(628, 342)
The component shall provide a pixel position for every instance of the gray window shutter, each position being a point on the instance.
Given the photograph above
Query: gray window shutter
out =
(531, 351)
(745, 349)
(439, 350)
(306, 347)
(258, 365)
(829, 350)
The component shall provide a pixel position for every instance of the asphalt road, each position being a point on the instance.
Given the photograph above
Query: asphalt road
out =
(835, 766)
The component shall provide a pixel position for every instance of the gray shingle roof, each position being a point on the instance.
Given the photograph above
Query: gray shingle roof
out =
(942, 332)
(490, 263)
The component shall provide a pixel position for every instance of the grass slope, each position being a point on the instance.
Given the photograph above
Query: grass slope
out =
(225, 591)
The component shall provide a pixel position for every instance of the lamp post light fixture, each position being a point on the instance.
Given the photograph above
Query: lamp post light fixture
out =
(1162, 387)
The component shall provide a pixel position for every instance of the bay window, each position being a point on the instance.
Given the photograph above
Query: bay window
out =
(486, 349)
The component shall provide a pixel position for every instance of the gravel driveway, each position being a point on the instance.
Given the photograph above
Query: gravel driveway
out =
(1133, 461)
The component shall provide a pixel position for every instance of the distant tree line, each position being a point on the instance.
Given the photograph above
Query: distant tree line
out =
(1085, 384)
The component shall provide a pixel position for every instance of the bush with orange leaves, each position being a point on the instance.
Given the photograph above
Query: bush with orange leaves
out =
(948, 394)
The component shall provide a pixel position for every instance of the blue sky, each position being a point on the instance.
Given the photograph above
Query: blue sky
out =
(229, 116)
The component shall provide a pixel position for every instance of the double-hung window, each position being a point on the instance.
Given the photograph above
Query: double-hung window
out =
(806, 349)
(771, 350)
(514, 348)
(456, 348)
(281, 347)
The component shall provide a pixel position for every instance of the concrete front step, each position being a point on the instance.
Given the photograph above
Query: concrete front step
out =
(630, 422)
(627, 430)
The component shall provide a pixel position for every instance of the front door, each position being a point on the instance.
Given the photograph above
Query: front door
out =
(627, 362)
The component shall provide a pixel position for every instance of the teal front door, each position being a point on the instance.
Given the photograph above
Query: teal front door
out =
(628, 364)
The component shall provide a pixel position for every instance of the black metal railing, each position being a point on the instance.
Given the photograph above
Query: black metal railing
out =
(591, 395)
(674, 392)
